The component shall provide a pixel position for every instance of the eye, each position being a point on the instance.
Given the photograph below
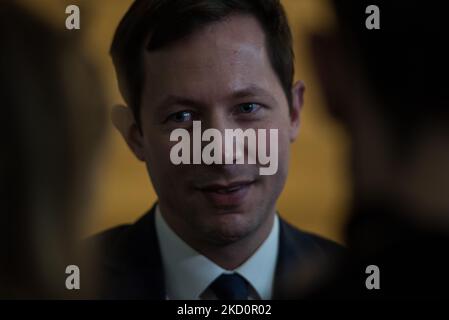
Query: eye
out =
(181, 116)
(248, 107)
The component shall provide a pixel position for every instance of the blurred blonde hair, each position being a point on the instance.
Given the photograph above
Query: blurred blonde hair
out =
(53, 121)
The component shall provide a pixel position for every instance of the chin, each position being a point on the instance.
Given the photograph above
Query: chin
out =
(230, 228)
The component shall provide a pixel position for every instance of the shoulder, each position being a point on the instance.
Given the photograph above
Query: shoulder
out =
(127, 261)
(109, 242)
(307, 242)
(300, 254)
(110, 237)
(125, 242)
(112, 255)
(128, 245)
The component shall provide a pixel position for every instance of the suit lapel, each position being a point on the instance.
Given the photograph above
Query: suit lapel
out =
(287, 259)
(137, 271)
(143, 270)
(295, 247)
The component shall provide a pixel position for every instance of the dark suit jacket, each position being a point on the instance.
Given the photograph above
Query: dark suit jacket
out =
(130, 263)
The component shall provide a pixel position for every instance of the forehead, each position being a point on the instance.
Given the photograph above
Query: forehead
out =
(212, 62)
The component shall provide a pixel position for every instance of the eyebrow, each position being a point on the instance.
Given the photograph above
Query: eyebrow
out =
(251, 91)
(248, 92)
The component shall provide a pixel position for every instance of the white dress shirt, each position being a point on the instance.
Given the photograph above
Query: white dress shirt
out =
(188, 274)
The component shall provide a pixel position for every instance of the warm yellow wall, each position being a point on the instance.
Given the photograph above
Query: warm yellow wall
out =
(317, 191)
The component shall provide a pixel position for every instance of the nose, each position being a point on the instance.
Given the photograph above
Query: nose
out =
(220, 122)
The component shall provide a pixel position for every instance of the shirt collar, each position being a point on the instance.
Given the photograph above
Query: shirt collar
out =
(188, 273)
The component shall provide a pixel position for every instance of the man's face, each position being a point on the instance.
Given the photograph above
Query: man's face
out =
(222, 76)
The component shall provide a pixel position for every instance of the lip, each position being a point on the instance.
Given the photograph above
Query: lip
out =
(218, 186)
(227, 194)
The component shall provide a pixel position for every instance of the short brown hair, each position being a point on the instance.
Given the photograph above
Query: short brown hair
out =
(166, 21)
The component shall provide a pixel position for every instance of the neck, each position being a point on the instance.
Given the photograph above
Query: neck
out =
(232, 255)
(228, 255)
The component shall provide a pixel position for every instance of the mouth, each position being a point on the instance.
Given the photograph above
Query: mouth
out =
(225, 188)
(226, 195)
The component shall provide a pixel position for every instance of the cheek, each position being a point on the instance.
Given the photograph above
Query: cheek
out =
(283, 153)
(282, 142)
(157, 156)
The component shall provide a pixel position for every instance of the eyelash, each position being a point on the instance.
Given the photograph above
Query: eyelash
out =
(250, 103)
(171, 116)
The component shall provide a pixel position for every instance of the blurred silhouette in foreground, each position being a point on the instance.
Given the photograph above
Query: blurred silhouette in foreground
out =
(388, 89)
(52, 122)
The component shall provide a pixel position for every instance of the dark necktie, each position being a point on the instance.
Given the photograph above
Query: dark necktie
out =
(230, 287)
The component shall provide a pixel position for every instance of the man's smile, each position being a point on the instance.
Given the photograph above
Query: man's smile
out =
(227, 194)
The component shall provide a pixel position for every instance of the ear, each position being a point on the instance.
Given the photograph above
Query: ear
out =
(123, 120)
(296, 107)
